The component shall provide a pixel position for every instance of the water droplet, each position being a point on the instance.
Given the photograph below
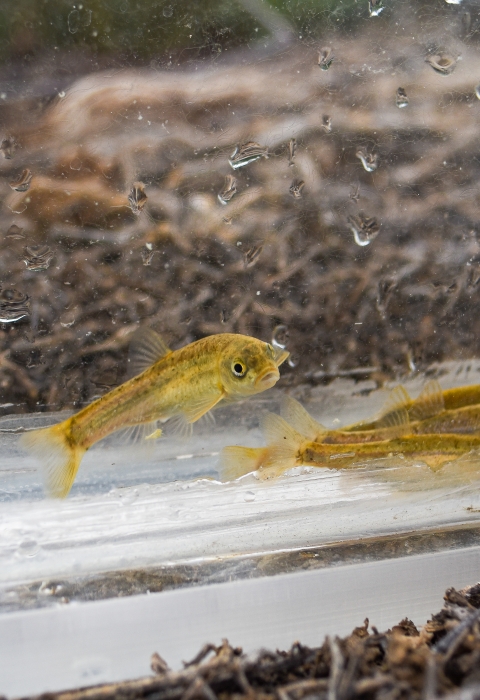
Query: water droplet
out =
(168, 11)
(23, 182)
(453, 2)
(247, 153)
(28, 548)
(249, 497)
(78, 19)
(13, 306)
(229, 189)
(296, 188)
(325, 58)
(375, 7)
(477, 92)
(37, 257)
(384, 292)
(147, 254)
(252, 254)
(355, 193)
(401, 99)
(369, 160)
(15, 232)
(227, 220)
(327, 123)
(137, 198)
(293, 360)
(292, 149)
(62, 94)
(280, 336)
(442, 62)
(8, 147)
(364, 228)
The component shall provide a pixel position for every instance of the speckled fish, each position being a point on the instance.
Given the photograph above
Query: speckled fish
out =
(287, 448)
(184, 384)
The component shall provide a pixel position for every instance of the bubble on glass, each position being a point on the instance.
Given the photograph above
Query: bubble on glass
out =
(252, 255)
(293, 360)
(292, 149)
(375, 7)
(296, 188)
(15, 232)
(22, 184)
(401, 98)
(228, 220)
(325, 58)
(355, 193)
(247, 153)
(37, 257)
(385, 290)
(327, 123)
(364, 228)
(453, 2)
(147, 254)
(137, 198)
(368, 160)
(8, 147)
(249, 497)
(477, 92)
(14, 306)
(229, 189)
(168, 11)
(280, 336)
(28, 548)
(442, 62)
(79, 19)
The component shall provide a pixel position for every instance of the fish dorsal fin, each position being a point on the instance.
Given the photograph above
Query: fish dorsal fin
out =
(429, 403)
(299, 418)
(395, 423)
(146, 348)
(278, 432)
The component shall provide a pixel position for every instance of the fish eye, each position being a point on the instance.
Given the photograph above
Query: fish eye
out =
(239, 368)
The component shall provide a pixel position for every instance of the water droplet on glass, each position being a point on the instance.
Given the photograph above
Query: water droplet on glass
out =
(280, 336)
(247, 153)
(442, 62)
(293, 360)
(23, 182)
(37, 257)
(401, 98)
(252, 254)
(227, 220)
(28, 548)
(364, 228)
(62, 94)
(78, 19)
(385, 290)
(229, 189)
(325, 58)
(147, 254)
(137, 198)
(473, 276)
(453, 2)
(355, 193)
(8, 147)
(15, 232)
(369, 160)
(296, 188)
(13, 306)
(477, 92)
(375, 7)
(168, 11)
(292, 149)
(327, 123)
(249, 497)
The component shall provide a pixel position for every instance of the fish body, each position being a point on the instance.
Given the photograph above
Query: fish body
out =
(183, 384)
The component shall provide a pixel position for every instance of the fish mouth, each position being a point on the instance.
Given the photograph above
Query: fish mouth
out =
(267, 379)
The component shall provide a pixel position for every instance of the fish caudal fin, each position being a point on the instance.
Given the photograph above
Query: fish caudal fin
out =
(60, 459)
(237, 461)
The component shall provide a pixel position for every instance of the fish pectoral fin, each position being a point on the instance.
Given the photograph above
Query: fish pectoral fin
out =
(146, 348)
(429, 403)
(300, 419)
(396, 423)
(394, 411)
(201, 406)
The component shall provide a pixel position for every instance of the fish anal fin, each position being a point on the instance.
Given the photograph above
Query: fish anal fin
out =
(179, 427)
(278, 432)
(146, 348)
(299, 418)
(135, 434)
(430, 402)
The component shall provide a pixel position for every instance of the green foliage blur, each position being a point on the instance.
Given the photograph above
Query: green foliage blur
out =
(141, 30)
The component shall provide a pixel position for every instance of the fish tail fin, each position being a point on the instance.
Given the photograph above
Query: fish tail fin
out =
(236, 461)
(297, 416)
(284, 444)
(59, 455)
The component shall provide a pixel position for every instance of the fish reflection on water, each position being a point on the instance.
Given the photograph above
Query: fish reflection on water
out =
(184, 384)
(435, 428)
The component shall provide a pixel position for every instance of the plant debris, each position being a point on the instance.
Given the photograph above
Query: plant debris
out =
(441, 660)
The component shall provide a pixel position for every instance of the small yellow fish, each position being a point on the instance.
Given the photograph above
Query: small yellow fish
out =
(185, 384)
(287, 448)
